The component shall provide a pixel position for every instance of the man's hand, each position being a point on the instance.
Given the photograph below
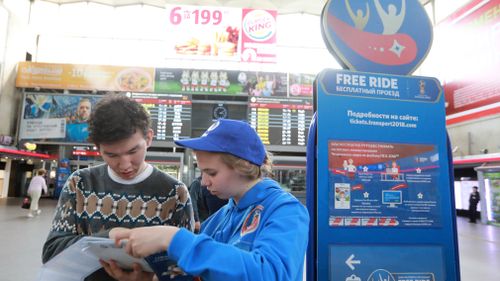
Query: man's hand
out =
(137, 274)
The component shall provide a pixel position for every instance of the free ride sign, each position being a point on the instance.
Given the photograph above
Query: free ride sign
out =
(383, 193)
(379, 183)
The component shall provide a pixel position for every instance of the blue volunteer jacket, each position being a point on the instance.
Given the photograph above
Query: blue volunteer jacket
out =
(263, 237)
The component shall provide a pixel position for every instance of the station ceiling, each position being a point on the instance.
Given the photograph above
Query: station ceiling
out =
(312, 7)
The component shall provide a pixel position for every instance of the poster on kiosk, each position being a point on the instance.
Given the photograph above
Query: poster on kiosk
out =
(379, 179)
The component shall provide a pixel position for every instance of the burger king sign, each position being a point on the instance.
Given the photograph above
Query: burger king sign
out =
(258, 36)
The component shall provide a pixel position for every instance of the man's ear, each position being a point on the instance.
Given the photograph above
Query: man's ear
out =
(149, 137)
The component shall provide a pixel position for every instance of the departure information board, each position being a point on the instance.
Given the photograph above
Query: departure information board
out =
(170, 114)
(281, 121)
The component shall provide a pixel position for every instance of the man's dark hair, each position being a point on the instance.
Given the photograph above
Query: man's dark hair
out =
(115, 118)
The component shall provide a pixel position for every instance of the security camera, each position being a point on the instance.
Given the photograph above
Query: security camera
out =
(484, 151)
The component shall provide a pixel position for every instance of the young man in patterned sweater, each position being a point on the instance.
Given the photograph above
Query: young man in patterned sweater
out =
(124, 192)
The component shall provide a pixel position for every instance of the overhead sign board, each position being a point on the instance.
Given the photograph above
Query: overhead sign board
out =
(221, 33)
(84, 77)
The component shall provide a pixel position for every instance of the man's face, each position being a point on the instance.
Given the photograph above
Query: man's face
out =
(126, 157)
(84, 108)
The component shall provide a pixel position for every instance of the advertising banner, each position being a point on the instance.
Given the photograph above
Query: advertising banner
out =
(220, 82)
(492, 198)
(56, 118)
(472, 81)
(164, 80)
(84, 77)
(202, 32)
(300, 84)
(221, 33)
(259, 36)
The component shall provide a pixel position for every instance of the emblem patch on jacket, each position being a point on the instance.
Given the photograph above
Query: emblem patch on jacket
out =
(252, 221)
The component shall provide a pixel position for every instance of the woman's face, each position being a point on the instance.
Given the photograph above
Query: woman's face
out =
(220, 179)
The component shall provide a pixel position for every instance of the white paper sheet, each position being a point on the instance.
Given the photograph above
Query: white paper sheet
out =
(82, 258)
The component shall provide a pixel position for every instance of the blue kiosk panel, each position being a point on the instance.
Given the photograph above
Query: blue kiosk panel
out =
(384, 208)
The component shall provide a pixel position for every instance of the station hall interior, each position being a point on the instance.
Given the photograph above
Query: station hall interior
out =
(131, 37)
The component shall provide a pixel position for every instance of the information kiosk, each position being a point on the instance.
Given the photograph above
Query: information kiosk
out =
(379, 181)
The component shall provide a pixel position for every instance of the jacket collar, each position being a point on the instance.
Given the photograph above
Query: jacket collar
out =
(255, 194)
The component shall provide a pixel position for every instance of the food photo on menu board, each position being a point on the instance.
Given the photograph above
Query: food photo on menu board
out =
(56, 118)
(220, 82)
(134, 79)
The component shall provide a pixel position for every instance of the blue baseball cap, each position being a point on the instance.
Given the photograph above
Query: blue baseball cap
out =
(230, 136)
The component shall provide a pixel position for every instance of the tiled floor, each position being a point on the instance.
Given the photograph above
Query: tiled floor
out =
(21, 240)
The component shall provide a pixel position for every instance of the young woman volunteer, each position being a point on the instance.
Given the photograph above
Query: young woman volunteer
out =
(261, 234)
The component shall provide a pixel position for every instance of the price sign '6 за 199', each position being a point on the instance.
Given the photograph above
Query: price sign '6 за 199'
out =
(203, 32)
(198, 16)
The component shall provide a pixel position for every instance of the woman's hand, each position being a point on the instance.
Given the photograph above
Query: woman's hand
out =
(137, 274)
(145, 241)
(115, 229)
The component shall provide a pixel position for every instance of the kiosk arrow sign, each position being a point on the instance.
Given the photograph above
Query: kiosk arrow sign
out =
(350, 261)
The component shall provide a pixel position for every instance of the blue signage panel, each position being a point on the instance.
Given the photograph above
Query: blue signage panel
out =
(393, 263)
(383, 184)
(383, 180)
(386, 36)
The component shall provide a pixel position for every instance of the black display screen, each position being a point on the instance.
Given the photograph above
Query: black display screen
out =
(170, 114)
(281, 121)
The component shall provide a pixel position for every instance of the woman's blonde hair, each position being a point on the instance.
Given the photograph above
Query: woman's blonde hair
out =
(41, 172)
(247, 169)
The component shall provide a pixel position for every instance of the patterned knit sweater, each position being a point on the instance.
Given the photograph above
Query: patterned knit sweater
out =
(92, 203)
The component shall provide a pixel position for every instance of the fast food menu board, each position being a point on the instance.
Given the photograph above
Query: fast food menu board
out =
(281, 121)
(170, 115)
(204, 32)
(221, 33)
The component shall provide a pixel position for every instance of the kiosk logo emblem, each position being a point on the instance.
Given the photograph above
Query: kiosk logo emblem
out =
(385, 36)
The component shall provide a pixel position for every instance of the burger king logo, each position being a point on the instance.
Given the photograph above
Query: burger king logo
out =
(259, 25)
